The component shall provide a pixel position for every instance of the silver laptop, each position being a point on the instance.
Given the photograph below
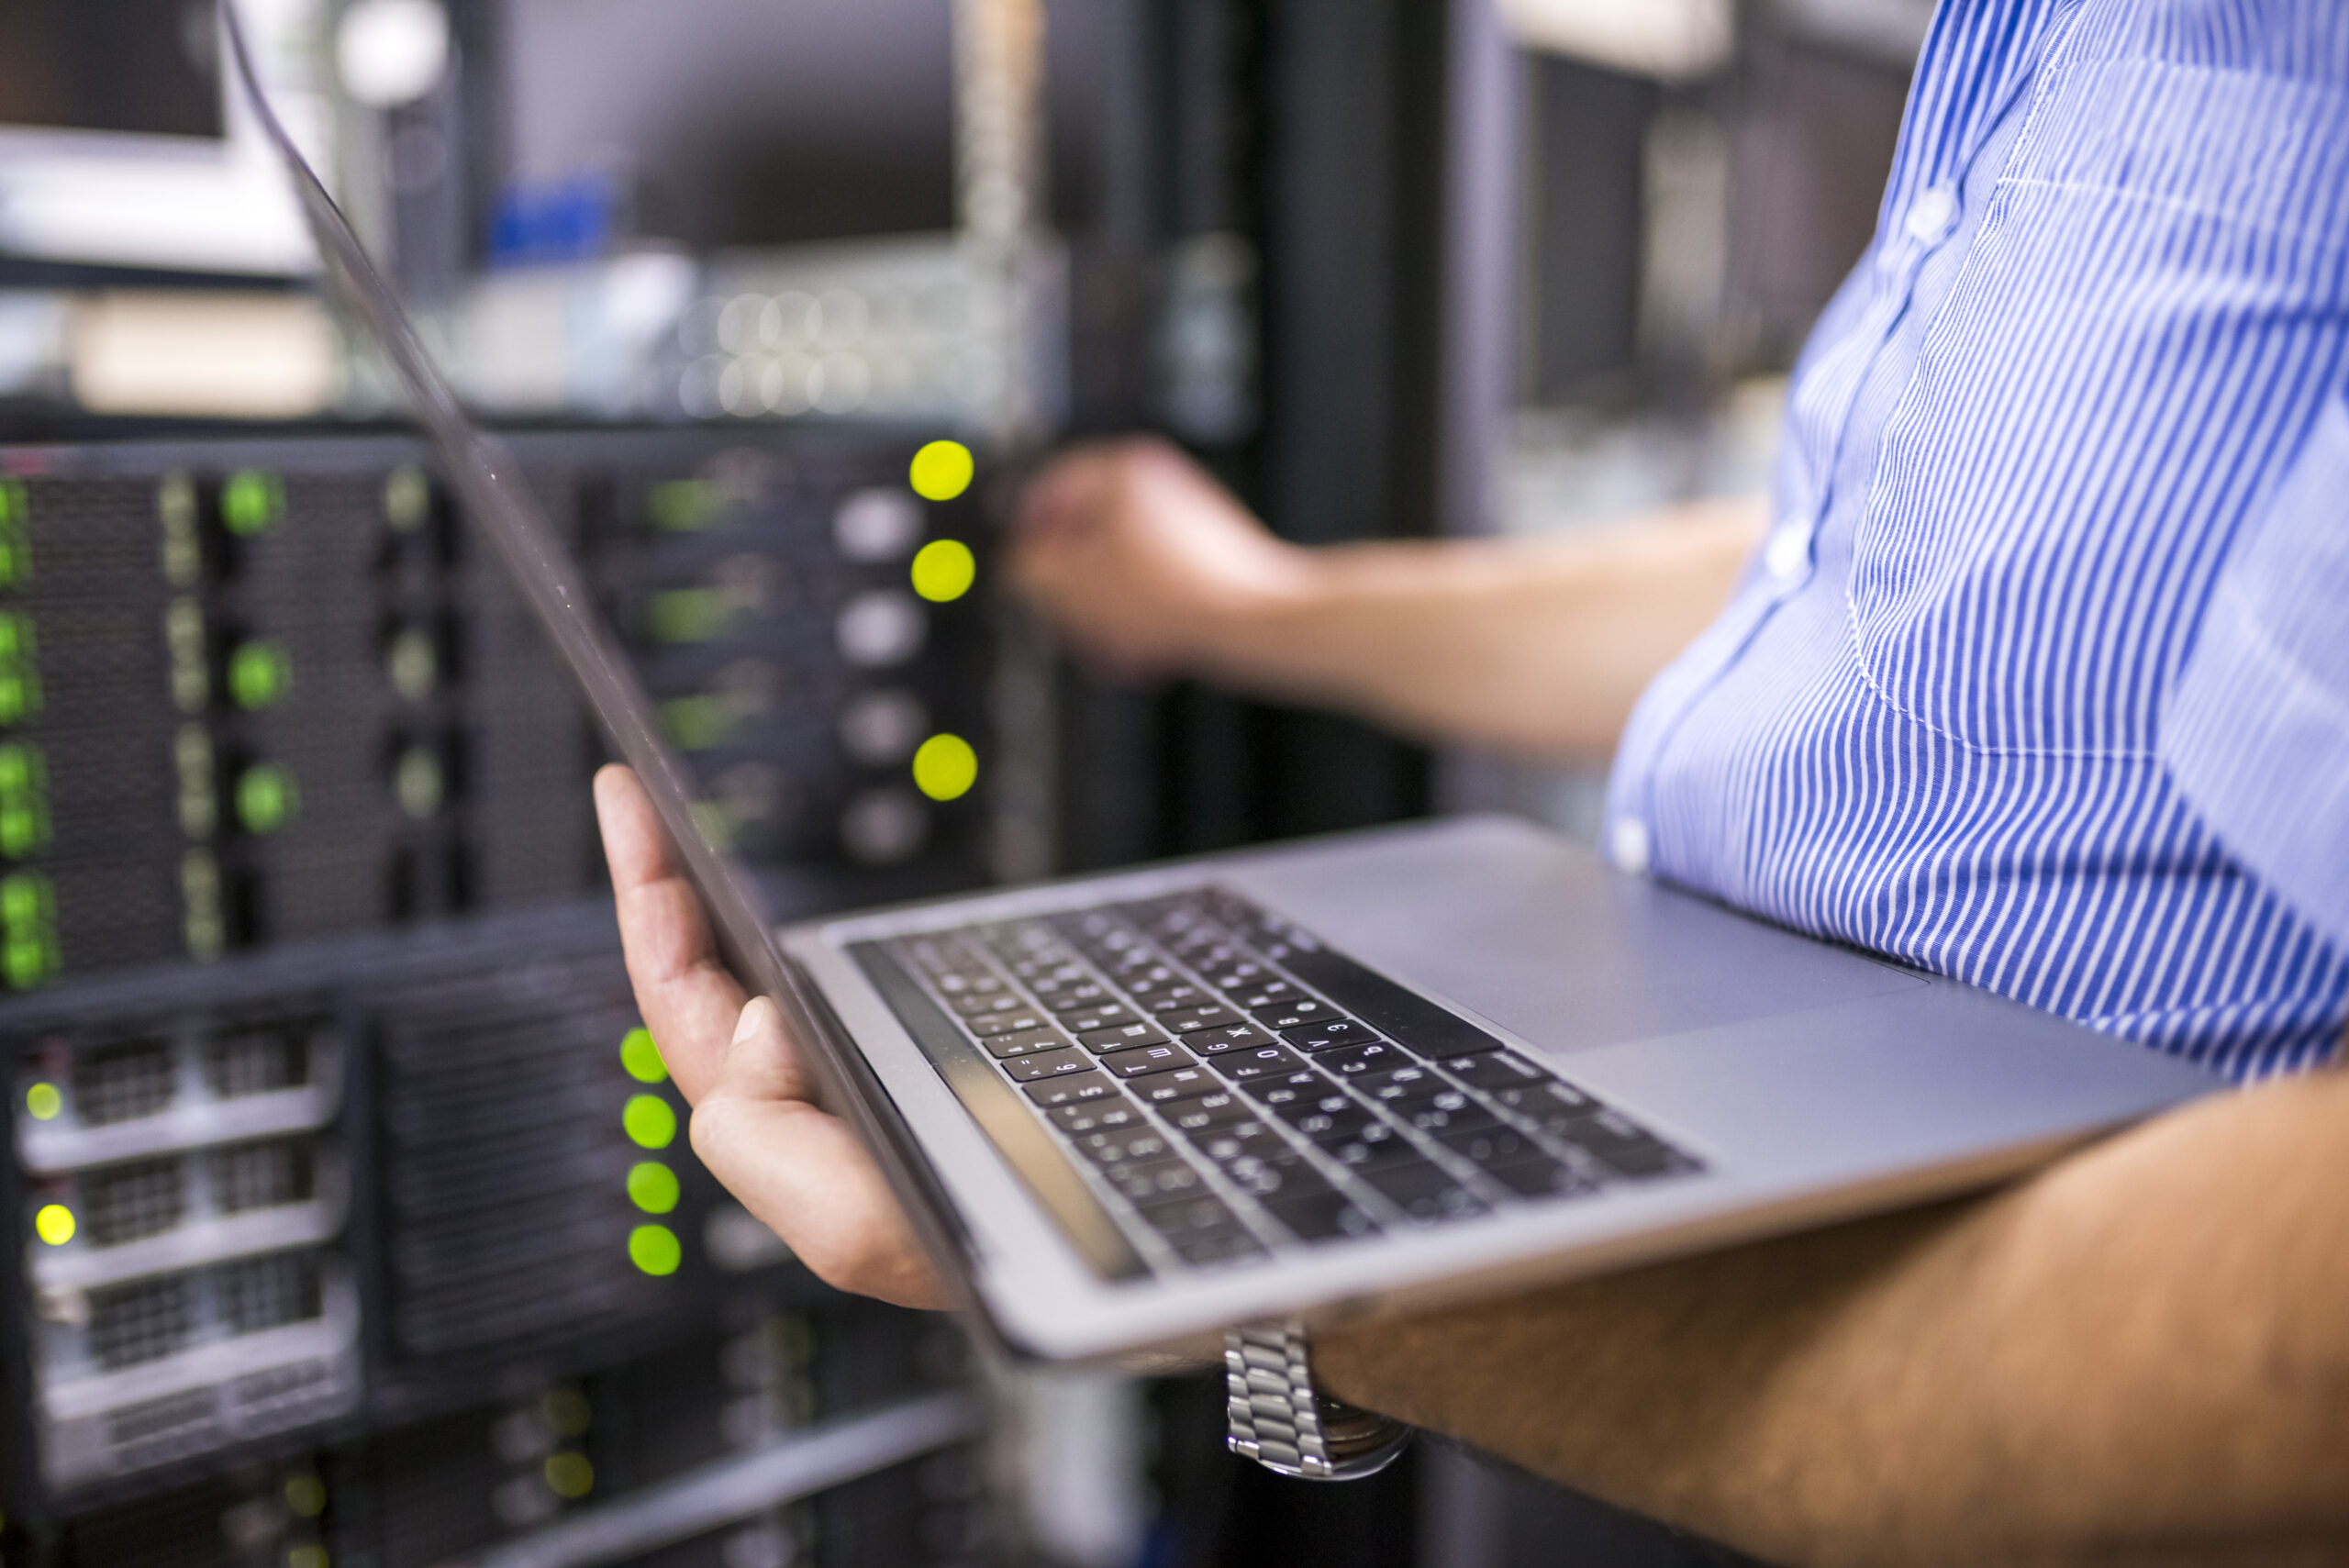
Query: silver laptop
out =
(1373, 1071)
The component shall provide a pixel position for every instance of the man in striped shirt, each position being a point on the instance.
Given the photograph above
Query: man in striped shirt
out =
(2029, 671)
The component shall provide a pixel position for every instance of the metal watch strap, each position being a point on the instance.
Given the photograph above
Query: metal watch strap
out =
(1281, 1422)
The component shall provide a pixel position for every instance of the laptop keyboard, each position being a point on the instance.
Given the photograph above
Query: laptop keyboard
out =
(1230, 1085)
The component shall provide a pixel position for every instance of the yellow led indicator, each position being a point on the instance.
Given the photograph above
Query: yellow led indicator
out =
(266, 798)
(943, 471)
(260, 674)
(570, 1474)
(652, 1186)
(305, 1496)
(43, 1103)
(54, 1224)
(650, 1121)
(943, 569)
(641, 1057)
(655, 1249)
(945, 767)
(310, 1555)
(252, 501)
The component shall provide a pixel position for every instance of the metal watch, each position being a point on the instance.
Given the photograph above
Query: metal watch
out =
(1280, 1420)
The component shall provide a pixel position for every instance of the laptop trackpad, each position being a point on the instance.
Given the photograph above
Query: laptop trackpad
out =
(1538, 937)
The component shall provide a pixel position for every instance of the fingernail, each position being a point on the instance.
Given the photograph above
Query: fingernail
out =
(748, 1024)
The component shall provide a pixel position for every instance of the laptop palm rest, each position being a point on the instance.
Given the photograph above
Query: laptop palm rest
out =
(1553, 946)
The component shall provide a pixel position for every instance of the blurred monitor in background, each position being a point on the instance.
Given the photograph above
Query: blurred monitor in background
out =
(136, 67)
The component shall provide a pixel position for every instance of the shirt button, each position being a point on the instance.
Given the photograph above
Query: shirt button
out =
(1930, 214)
(1628, 841)
(1788, 553)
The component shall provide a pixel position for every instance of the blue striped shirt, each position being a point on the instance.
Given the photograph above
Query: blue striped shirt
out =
(2041, 678)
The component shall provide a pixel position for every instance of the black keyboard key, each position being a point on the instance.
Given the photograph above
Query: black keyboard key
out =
(1147, 1058)
(1273, 993)
(1119, 1037)
(1124, 1145)
(1424, 1191)
(1228, 1037)
(1354, 1060)
(1552, 1107)
(1400, 1083)
(1541, 1176)
(1017, 1022)
(1202, 1231)
(1493, 1144)
(1190, 1020)
(1374, 1147)
(1623, 1145)
(1185, 998)
(1320, 1121)
(1099, 1015)
(1330, 1101)
(1207, 1111)
(1046, 1064)
(1293, 1015)
(1325, 1215)
(978, 1003)
(1260, 1061)
(964, 984)
(1495, 1070)
(1147, 1181)
(1276, 1178)
(1081, 997)
(1027, 1042)
(1098, 1116)
(1329, 1035)
(1287, 1089)
(1073, 1090)
(1228, 972)
(1183, 1083)
(1387, 1008)
(1239, 1140)
(1450, 1112)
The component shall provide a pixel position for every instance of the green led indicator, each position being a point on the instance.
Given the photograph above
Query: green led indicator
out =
(697, 723)
(43, 1102)
(945, 767)
(944, 570)
(252, 501)
(655, 1249)
(16, 635)
(26, 901)
(652, 1186)
(943, 471)
(687, 615)
(16, 561)
(685, 505)
(19, 694)
(28, 961)
(641, 1057)
(650, 1120)
(13, 509)
(260, 674)
(24, 828)
(266, 798)
(21, 769)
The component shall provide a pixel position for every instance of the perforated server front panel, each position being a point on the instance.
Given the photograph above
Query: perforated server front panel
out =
(340, 1158)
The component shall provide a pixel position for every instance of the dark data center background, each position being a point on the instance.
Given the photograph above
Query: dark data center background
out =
(353, 1220)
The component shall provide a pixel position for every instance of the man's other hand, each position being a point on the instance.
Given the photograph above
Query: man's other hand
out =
(1143, 561)
(755, 1124)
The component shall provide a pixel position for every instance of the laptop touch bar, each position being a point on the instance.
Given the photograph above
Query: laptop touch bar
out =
(1186, 1081)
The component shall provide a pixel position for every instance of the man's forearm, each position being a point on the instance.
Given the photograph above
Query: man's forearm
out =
(2141, 1356)
(1537, 647)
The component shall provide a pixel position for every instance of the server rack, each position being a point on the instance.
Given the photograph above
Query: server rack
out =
(351, 1217)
